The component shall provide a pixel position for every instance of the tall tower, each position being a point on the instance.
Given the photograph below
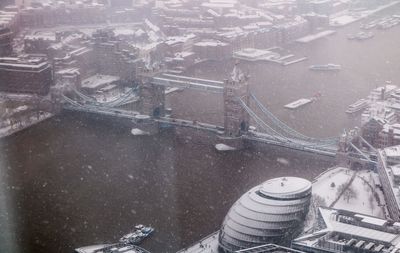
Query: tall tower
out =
(236, 92)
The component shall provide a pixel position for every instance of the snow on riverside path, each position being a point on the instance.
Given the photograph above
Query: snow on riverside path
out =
(364, 200)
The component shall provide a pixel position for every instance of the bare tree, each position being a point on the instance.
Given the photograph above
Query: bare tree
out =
(350, 193)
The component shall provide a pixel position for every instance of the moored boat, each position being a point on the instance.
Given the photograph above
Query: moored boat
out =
(138, 235)
(357, 106)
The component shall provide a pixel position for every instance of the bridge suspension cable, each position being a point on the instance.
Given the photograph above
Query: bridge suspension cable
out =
(276, 135)
(288, 130)
(261, 123)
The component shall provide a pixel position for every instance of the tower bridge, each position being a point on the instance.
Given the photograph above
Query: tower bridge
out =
(241, 108)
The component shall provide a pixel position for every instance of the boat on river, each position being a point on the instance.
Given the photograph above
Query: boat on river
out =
(326, 67)
(298, 103)
(137, 235)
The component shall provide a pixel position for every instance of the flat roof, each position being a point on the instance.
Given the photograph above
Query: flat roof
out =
(371, 220)
(98, 80)
(392, 151)
(367, 233)
(284, 186)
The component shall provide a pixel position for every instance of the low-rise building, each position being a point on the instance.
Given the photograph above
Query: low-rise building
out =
(389, 136)
(392, 155)
(389, 186)
(345, 231)
(26, 74)
(212, 50)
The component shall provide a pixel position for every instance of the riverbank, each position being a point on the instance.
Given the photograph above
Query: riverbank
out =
(29, 120)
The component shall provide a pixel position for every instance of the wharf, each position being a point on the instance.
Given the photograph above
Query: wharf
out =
(9, 130)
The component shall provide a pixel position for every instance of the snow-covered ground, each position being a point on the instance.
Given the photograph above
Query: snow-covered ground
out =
(364, 201)
(360, 196)
(322, 186)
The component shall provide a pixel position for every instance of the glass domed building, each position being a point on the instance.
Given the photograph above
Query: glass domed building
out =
(272, 212)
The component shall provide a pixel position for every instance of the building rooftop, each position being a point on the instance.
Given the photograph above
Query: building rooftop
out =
(342, 227)
(396, 170)
(26, 61)
(285, 187)
(393, 151)
(98, 81)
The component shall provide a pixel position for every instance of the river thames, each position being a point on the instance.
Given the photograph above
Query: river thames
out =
(76, 180)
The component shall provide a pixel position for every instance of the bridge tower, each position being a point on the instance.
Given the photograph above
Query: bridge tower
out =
(350, 152)
(342, 157)
(236, 119)
(152, 102)
(151, 105)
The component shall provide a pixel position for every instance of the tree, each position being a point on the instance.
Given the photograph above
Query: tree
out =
(318, 201)
(349, 193)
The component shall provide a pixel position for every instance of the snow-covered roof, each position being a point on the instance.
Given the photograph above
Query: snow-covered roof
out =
(97, 81)
(348, 223)
(365, 233)
(371, 220)
(396, 170)
(210, 43)
(285, 187)
(267, 211)
(393, 151)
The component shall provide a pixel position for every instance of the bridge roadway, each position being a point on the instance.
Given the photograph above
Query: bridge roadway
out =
(133, 115)
(292, 144)
(251, 135)
(115, 112)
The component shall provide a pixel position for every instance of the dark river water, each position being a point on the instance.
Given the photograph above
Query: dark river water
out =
(76, 179)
